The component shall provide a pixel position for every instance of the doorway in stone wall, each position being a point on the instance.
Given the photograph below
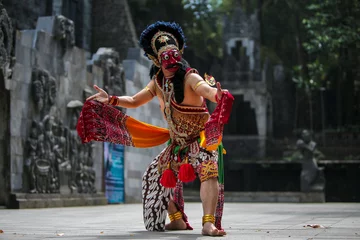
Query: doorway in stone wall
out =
(242, 120)
(4, 142)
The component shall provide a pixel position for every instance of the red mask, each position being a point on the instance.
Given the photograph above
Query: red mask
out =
(169, 59)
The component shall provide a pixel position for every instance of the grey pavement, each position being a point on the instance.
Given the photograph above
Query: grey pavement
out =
(241, 221)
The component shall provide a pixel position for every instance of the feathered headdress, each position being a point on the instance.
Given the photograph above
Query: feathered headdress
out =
(159, 37)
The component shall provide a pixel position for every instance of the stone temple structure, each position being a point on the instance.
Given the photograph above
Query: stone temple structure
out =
(48, 66)
(247, 78)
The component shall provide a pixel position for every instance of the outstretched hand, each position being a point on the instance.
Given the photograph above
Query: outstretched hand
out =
(101, 96)
(219, 91)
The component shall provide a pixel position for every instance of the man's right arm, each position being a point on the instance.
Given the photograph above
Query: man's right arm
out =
(135, 101)
(140, 98)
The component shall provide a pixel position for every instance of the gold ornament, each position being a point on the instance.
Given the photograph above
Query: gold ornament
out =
(209, 79)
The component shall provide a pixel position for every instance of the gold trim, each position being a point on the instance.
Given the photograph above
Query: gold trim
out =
(159, 33)
(154, 60)
(167, 47)
(209, 79)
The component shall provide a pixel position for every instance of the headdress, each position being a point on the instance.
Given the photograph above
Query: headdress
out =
(159, 37)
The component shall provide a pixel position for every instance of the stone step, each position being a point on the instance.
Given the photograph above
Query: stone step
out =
(283, 197)
(27, 200)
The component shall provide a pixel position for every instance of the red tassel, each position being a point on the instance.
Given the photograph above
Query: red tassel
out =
(186, 172)
(168, 179)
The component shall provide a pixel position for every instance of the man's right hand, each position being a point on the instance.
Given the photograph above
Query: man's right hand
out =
(101, 96)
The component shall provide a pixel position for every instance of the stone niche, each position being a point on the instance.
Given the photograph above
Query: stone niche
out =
(50, 167)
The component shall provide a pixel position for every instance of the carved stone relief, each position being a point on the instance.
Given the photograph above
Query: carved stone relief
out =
(52, 147)
(44, 91)
(114, 75)
(64, 31)
(44, 155)
(6, 44)
(80, 163)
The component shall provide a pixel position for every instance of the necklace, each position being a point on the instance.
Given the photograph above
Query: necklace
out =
(168, 91)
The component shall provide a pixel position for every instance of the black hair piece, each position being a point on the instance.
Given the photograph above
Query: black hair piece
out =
(178, 81)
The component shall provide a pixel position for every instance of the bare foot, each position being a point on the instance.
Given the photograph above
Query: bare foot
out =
(176, 225)
(209, 229)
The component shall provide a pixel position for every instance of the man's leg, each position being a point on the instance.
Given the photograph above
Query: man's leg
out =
(209, 191)
(177, 222)
(155, 199)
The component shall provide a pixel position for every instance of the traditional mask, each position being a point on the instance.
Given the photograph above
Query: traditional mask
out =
(169, 59)
(163, 43)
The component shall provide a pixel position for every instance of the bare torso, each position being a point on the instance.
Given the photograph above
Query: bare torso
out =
(191, 98)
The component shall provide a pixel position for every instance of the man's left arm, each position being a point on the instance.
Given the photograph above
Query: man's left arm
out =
(198, 84)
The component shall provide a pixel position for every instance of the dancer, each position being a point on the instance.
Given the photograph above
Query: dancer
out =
(194, 137)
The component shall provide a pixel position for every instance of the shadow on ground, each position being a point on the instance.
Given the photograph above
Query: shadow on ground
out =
(153, 235)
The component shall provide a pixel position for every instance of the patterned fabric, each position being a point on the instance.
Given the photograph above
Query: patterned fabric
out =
(156, 198)
(219, 207)
(103, 123)
(208, 169)
(178, 199)
(100, 122)
(214, 126)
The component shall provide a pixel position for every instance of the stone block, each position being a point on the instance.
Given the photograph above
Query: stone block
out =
(26, 56)
(79, 57)
(138, 55)
(134, 174)
(15, 126)
(16, 182)
(23, 91)
(291, 198)
(45, 24)
(130, 68)
(26, 75)
(16, 145)
(45, 43)
(45, 61)
(19, 109)
(25, 38)
(17, 164)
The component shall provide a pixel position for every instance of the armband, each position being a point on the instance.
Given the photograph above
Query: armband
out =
(201, 82)
(148, 89)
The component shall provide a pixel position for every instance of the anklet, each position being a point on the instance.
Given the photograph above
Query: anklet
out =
(175, 216)
(208, 218)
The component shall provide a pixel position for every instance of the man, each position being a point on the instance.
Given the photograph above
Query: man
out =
(194, 135)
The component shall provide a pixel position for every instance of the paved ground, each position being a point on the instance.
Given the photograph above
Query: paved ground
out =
(241, 221)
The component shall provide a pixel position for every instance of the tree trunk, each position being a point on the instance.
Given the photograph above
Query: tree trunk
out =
(299, 47)
(350, 86)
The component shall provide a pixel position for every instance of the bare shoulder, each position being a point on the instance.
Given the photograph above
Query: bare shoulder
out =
(193, 78)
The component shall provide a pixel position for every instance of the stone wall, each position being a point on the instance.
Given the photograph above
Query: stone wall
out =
(136, 160)
(6, 62)
(112, 26)
(25, 15)
(49, 84)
